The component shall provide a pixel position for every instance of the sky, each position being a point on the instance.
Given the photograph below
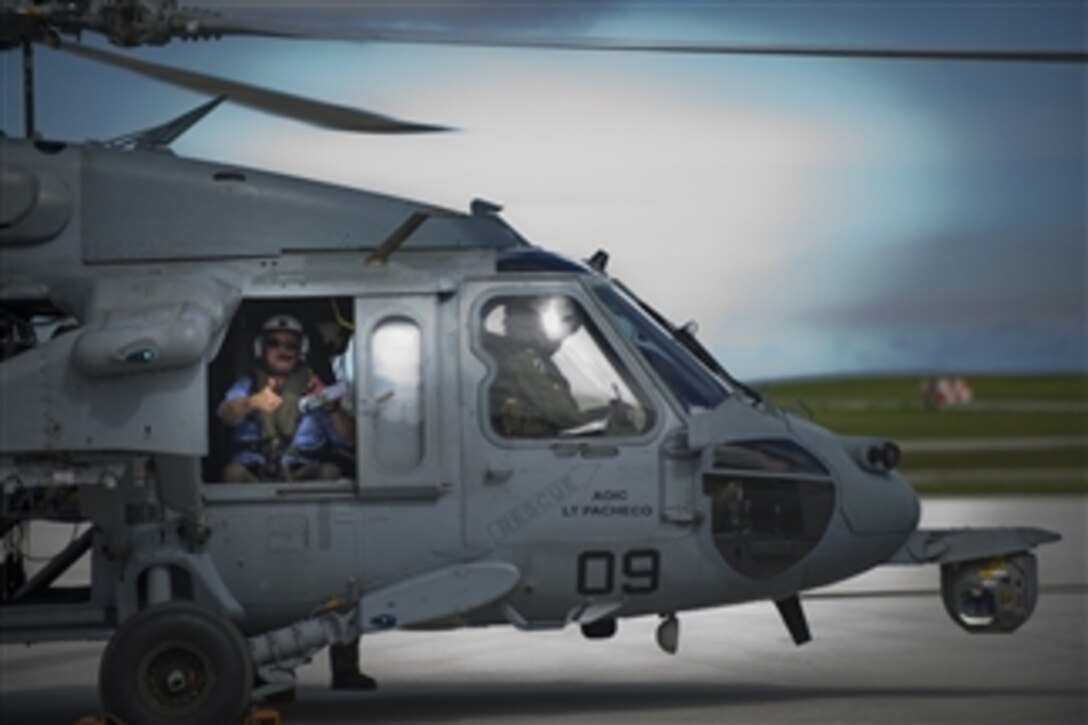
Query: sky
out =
(813, 216)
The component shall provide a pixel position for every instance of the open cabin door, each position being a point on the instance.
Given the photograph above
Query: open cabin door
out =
(399, 369)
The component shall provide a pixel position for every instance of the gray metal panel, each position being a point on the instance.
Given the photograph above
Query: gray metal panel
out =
(49, 405)
(24, 268)
(153, 206)
(137, 323)
(337, 273)
(35, 206)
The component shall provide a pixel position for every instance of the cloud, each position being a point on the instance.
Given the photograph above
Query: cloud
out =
(958, 280)
(463, 15)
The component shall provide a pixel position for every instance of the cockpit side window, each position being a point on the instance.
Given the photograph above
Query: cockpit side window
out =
(556, 376)
(689, 381)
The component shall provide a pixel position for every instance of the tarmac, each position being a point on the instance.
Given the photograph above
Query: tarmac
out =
(884, 651)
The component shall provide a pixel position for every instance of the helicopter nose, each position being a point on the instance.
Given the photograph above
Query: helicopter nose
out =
(876, 499)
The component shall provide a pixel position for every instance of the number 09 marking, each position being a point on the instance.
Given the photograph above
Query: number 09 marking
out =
(640, 569)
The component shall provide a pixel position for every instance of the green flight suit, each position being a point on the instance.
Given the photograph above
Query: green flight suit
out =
(530, 398)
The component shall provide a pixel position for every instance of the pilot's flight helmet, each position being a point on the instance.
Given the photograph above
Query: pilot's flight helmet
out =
(560, 317)
(551, 318)
(281, 323)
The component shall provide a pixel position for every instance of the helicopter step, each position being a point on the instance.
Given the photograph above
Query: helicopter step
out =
(425, 599)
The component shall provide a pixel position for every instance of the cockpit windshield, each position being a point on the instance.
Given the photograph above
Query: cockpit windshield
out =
(693, 385)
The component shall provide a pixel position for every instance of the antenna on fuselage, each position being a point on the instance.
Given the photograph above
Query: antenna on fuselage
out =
(28, 88)
(400, 235)
(160, 137)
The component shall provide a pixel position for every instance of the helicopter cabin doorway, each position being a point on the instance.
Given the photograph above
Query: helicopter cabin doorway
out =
(293, 439)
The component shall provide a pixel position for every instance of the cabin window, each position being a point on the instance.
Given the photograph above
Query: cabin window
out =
(396, 379)
(555, 375)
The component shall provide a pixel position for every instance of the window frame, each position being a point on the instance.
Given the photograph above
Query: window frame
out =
(213, 488)
(628, 365)
(667, 391)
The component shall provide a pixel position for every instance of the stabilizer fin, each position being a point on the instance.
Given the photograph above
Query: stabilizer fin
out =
(947, 546)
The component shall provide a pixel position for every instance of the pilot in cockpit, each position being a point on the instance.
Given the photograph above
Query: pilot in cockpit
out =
(530, 397)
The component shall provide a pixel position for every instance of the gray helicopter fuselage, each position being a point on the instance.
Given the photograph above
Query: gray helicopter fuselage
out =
(583, 532)
(697, 494)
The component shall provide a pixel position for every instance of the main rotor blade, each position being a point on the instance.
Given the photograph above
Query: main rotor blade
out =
(426, 37)
(318, 113)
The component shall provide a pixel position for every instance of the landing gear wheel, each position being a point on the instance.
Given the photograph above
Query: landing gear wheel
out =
(176, 663)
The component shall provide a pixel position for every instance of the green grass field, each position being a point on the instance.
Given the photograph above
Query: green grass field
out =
(1019, 435)
(907, 388)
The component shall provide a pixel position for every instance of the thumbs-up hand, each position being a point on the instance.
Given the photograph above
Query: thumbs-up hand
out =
(265, 400)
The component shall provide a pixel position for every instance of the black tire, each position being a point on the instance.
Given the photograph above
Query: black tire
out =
(176, 663)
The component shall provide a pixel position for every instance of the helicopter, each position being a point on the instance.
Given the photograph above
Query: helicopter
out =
(136, 288)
